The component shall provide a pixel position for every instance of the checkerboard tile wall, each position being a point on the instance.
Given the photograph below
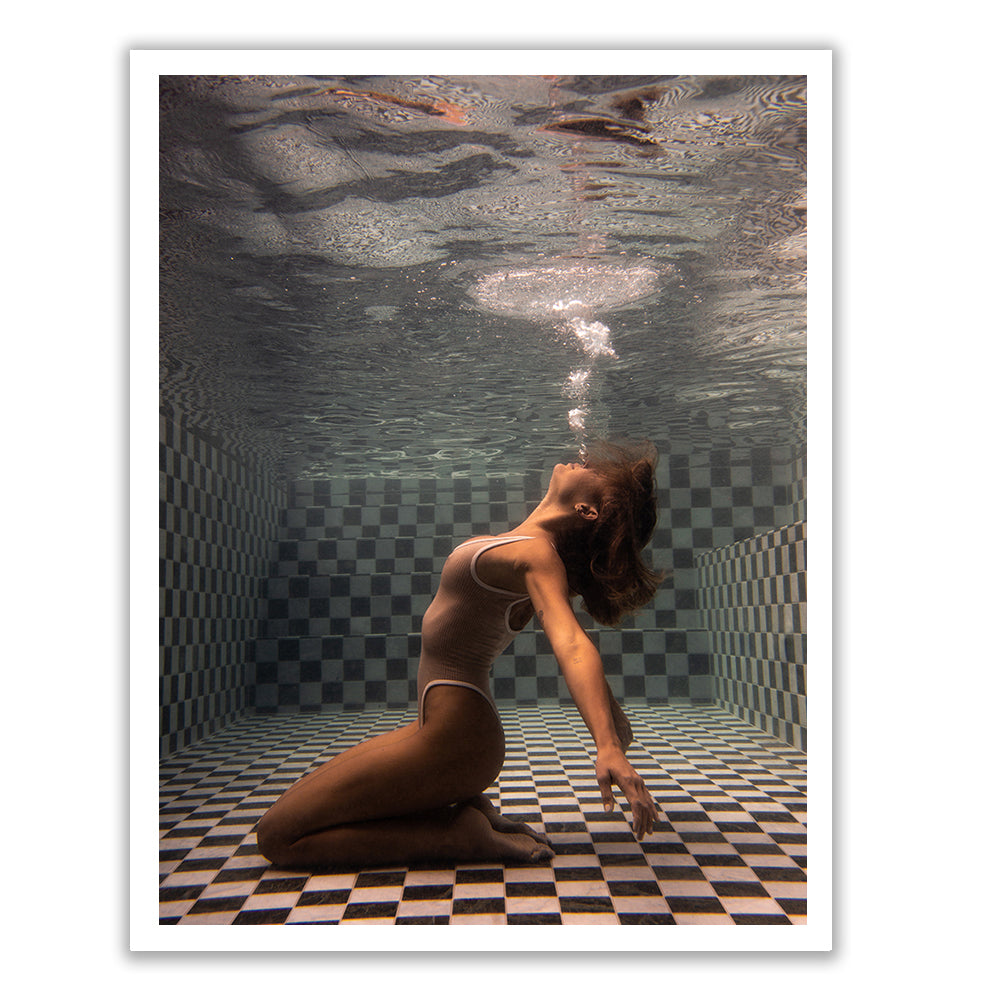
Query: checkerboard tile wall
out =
(730, 847)
(359, 559)
(797, 494)
(356, 570)
(347, 568)
(218, 518)
(753, 596)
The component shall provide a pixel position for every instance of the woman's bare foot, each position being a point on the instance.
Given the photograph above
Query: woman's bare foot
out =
(501, 824)
(485, 843)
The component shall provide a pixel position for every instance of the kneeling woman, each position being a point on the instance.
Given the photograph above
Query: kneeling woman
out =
(416, 794)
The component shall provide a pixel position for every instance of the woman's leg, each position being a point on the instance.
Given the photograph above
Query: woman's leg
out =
(452, 833)
(328, 817)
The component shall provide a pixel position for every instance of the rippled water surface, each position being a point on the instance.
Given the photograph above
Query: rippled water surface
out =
(408, 277)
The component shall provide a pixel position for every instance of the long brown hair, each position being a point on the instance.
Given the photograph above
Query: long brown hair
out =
(603, 559)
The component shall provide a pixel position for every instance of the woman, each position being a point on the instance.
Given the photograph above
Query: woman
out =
(416, 794)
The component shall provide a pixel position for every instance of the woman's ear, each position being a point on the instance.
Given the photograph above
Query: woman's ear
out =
(587, 511)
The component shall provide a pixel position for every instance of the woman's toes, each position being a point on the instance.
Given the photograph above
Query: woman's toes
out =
(541, 837)
(542, 852)
(525, 848)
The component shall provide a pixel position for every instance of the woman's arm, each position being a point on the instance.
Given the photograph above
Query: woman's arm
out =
(580, 663)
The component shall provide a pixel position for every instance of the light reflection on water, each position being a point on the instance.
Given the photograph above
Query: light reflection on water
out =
(322, 241)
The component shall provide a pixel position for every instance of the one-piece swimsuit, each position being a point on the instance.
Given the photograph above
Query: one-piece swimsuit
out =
(468, 624)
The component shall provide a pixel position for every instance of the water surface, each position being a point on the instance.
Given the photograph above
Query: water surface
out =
(396, 276)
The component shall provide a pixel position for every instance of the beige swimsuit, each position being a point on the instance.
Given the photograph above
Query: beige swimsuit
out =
(468, 623)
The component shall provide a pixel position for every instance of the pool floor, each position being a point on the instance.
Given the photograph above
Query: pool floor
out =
(730, 847)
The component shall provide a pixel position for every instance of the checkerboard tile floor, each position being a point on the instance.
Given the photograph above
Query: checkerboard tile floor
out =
(730, 847)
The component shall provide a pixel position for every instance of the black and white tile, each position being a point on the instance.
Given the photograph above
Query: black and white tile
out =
(753, 596)
(218, 517)
(359, 559)
(730, 847)
(309, 599)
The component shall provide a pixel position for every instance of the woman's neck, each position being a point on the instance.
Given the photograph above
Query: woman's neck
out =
(549, 519)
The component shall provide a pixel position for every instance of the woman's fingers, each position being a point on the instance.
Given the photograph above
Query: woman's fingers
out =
(644, 823)
(649, 817)
(643, 808)
(641, 803)
(607, 796)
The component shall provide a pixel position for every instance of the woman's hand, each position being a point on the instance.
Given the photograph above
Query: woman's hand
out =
(613, 767)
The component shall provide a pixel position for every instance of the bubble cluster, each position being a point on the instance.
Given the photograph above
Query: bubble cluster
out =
(568, 293)
(563, 289)
(595, 337)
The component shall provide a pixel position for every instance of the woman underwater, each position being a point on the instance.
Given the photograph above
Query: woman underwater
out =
(416, 794)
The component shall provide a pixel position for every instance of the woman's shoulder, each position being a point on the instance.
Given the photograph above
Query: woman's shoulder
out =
(532, 551)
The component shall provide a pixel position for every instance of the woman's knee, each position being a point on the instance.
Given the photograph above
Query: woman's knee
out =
(274, 837)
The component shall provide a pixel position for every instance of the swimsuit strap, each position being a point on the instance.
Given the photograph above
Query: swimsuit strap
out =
(492, 544)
